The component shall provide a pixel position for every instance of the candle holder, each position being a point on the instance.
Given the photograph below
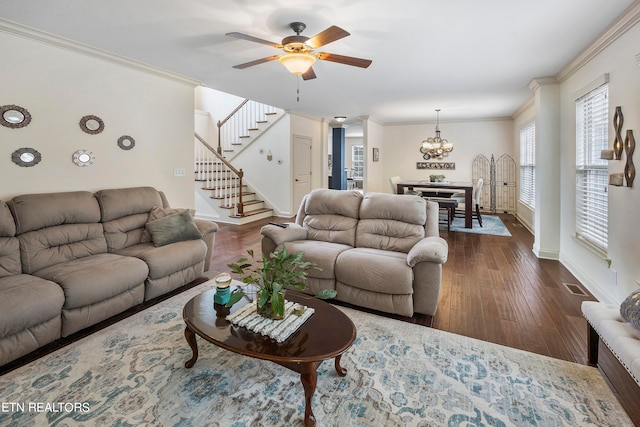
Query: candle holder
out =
(629, 168)
(618, 120)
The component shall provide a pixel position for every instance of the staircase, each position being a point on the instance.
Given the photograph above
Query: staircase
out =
(215, 174)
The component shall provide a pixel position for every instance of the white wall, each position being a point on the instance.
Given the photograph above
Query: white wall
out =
(58, 86)
(619, 60)
(375, 179)
(401, 144)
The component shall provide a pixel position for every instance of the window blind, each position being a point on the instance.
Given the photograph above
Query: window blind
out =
(592, 204)
(528, 165)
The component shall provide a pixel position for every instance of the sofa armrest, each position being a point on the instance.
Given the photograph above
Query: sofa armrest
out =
(430, 249)
(280, 235)
(208, 230)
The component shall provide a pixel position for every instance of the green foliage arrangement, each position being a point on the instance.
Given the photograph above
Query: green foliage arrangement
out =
(271, 275)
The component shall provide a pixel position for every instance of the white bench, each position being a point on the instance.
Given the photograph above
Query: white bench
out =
(622, 338)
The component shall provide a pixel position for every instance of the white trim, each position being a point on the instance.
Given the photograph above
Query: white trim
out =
(595, 288)
(626, 20)
(29, 33)
(594, 249)
(537, 82)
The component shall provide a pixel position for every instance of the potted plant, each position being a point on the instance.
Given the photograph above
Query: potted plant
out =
(271, 275)
(436, 178)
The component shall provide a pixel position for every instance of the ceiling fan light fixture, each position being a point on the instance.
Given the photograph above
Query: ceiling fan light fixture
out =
(297, 63)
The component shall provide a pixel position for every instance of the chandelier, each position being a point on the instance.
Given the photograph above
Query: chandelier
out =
(436, 148)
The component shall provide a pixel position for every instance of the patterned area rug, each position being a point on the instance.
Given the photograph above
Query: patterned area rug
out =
(491, 224)
(132, 374)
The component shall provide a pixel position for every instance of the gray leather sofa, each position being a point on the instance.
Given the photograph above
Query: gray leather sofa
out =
(379, 251)
(71, 260)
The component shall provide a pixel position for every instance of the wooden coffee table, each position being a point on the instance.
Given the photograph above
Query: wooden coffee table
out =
(327, 334)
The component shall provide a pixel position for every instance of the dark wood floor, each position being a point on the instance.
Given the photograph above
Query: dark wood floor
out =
(494, 289)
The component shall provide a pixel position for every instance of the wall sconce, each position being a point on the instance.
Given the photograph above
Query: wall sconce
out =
(269, 156)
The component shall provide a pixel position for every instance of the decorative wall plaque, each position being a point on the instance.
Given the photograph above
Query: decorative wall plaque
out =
(126, 142)
(26, 157)
(629, 168)
(436, 165)
(83, 158)
(13, 116)
(91, 124)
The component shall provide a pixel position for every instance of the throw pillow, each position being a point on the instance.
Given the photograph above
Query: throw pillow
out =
(158, 212)
(630, 308)
(173, 228)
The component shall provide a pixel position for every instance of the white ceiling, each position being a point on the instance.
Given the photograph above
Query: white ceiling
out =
(473, 59)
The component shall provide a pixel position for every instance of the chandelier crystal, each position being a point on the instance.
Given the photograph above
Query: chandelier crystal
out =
(436, 147)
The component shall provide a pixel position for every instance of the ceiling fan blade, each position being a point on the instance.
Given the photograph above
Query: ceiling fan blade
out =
(256, 62)
(347, 60)
(309, 74)
(242, 36)
(327, 36)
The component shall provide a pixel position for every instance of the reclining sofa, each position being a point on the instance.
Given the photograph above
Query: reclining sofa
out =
(379, 251)
(71, 260)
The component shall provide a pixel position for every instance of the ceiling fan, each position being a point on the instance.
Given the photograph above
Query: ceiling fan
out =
(299, 51)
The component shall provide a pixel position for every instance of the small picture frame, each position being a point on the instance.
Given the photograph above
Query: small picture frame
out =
(376, 154)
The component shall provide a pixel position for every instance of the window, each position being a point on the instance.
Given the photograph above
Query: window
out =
(528, 165)
(592, 137)
(357, 161)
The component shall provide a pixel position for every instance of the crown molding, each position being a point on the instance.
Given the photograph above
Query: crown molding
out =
(542, 81)
(43, 37)
(628, 18)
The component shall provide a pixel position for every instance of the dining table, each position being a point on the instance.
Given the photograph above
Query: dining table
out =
(467, 187)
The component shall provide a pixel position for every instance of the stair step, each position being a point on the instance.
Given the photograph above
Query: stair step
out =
(244, 204)
(250, 213)
(253, 129)
(262, 121)
(270, 114)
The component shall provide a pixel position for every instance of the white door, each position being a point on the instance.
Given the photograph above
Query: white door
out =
(301, 169)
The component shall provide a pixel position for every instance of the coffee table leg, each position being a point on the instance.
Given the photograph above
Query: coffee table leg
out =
(339, 369)
(309, 378)
(191, 339)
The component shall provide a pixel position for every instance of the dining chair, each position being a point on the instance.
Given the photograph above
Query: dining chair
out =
(475, 200)
(394, 180)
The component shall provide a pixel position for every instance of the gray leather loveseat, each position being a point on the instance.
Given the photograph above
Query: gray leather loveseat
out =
(379, 251)
(71, 260)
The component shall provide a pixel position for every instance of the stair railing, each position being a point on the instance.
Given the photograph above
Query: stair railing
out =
(218, 175)
(245, 117)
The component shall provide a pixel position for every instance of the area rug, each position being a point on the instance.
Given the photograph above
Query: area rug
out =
(399, 374)
(491, 224)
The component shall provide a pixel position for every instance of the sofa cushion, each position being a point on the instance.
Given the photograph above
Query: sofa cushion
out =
(27, 301)
(173, 228)
(36, 211)
(166, 260)
(125, 211)
(53, 245)
(324, 254)
(391, 222)
(375, 270)
(331, 215)
(9, 246)
(92, 279)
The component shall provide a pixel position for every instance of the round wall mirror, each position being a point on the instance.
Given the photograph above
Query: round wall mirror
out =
(83, 158)
(13, 116)
(91, 124)
(26, 157)
(126, 142)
